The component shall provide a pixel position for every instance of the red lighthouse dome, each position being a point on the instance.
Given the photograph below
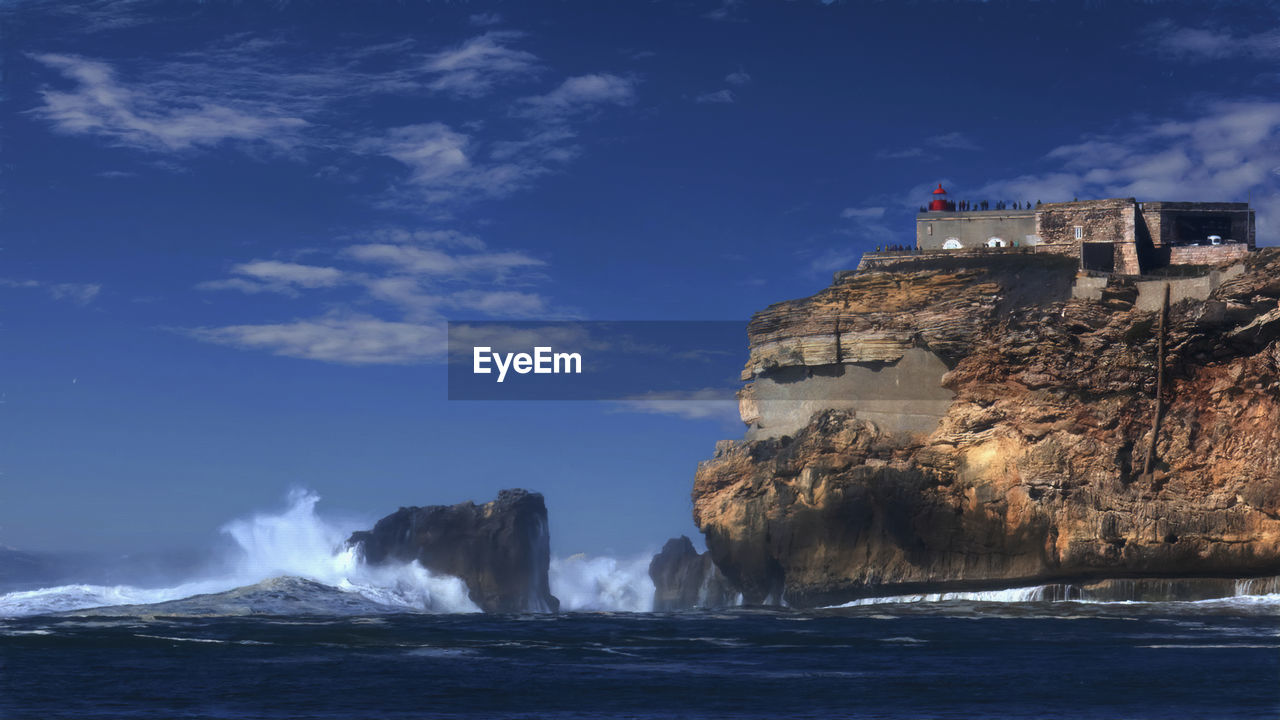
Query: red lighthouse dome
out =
(939, 199)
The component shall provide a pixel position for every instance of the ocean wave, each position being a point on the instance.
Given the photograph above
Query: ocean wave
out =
(295, 543)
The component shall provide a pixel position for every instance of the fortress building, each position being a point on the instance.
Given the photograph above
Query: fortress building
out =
(1118, 235)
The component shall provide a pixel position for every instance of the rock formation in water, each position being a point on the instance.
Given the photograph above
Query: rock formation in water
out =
(987, 426)
(501, 549)
(683, 579)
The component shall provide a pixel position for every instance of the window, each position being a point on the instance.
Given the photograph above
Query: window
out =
(930, 228)
(1079, 232)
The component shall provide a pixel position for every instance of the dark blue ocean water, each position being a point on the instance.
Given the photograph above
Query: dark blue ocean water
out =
(923, 660)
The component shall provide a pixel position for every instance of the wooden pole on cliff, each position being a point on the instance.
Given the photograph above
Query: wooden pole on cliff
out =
(1155, 421)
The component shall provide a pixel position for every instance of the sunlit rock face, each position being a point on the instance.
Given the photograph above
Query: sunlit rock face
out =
(501, 550)
(1021, 461)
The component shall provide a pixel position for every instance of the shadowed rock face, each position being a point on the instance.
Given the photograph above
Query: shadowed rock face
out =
(501, 549)
(1033, 474)
(683, 579)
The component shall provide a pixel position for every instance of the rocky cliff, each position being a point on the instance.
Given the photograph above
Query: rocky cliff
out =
(501, 549)
(1012, 450)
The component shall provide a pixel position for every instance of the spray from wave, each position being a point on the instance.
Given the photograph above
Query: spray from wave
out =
(295, 543)
(602, 583)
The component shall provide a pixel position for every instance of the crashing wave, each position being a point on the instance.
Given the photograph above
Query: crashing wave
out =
(294, 544)
(602, 583)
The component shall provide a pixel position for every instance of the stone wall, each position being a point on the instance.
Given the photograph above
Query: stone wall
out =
(973, 228)
(1110, 221)
(1207, 254)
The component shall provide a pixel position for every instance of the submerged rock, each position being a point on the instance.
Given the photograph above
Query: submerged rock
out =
(501, 549)
(1029, 469)
(683, 579)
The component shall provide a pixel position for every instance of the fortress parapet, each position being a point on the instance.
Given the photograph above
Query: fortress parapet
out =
(1115, 235)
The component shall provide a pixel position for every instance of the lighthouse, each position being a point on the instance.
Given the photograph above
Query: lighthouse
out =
(939, 203)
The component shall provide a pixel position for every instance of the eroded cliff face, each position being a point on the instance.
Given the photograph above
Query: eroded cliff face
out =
(1033, 471)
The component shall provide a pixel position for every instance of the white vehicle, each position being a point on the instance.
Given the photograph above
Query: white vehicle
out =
(1215, 239)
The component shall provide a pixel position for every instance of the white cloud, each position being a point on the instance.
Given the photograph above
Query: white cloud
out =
(79, 293)
(578, 95)
(307, 276)
(442, 167)
(99, 104)
(1229, 152)
(473, 68)
(413, 276)
(351, 339)
(504, 303)
(719, 96)
(277, 277)
(704, 404)
(431, 261)
(252, 93)
(738, 78)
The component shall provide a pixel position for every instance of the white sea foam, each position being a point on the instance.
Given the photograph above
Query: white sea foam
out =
(298, 543)
(1246, 593)
(602, 583)
(1012, 595)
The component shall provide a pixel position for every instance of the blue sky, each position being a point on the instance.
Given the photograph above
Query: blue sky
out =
(231, 232)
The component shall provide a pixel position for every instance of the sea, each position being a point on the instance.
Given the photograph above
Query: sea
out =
(291, 626)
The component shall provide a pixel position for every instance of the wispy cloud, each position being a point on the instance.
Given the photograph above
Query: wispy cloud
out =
(485, 19)
(719, 96)
(412, 279)
(277, 277)
(706, 404)
(98, 104)
(444, 165)
(95, 16)
(579, 95)
(931, 147)
(1169, 39)
(738, 78)
(346, 338)
(867, 213)
(473, 68)
(251, 93)
(725, 11)
(952, 141)
(79, 293)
